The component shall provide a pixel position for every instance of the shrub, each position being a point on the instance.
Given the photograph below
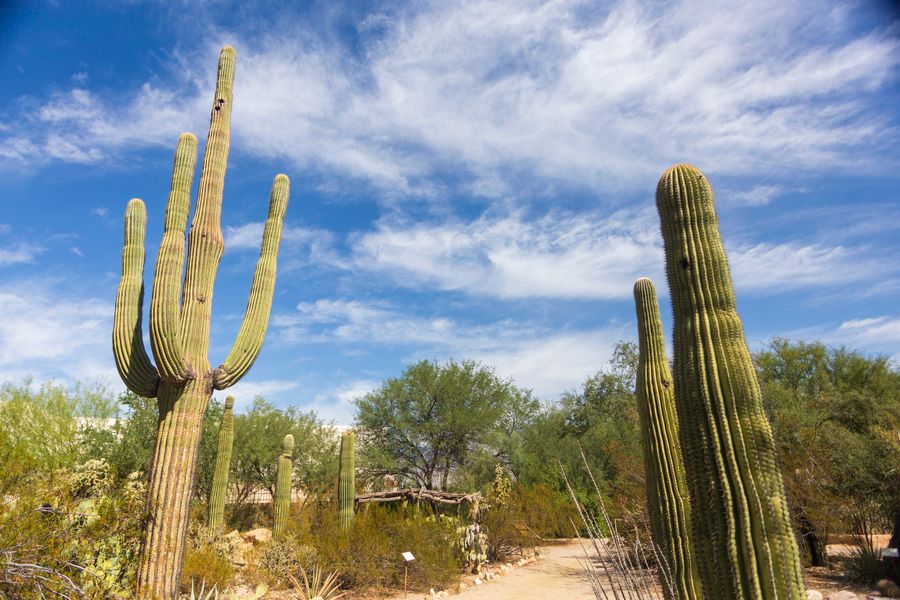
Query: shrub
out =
(369, 554)
(206, 566)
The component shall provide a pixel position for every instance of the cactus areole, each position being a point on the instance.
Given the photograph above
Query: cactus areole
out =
(668, 504)
(741, 530)
(182, 379)
(223, 463)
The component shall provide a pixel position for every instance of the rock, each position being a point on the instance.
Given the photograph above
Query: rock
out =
(463, 586)
(841, 595)
(813, 595)
(477, 581)
(431, 593)
(888, 588)
(258, 536)
(443, 594)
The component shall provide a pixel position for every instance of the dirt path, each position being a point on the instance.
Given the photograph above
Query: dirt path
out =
(556, 574)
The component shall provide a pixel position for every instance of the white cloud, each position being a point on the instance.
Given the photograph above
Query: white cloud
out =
(246, 390)
(558, 255)
(792, 265)
(336, 404)
(19, 253)
(876, 330)
(586, 256)
(759, 195)
(299, 245)
(565, 90)
(549, 361)
(52, 335)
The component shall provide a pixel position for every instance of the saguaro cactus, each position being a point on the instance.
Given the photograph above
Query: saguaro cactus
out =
(741, 531)
(283, 485)
(667, 494)
(183, 380)
(223, 463)
(347, 480)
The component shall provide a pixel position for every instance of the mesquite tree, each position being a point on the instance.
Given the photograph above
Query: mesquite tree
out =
(182, 379)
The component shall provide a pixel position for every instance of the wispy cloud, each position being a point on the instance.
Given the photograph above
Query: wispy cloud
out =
(246, 390)
(549, 361)
(19, 253)
(572, 91)
(583, 256)
(54, 335)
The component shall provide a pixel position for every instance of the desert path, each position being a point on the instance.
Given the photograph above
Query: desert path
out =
(556, 574)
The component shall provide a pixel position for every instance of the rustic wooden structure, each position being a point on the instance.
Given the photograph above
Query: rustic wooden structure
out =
(435, 497)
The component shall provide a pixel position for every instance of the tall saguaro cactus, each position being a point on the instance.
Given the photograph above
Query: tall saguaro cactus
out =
(347, 480)
(283, 485)
(741, 528)
(182, 379)
(223, 463)
(667, 494)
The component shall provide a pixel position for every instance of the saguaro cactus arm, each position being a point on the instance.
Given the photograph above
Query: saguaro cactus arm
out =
(205, 243)
(256, 319)
(223, 463)
(347, 480)
(283, 485)
(742, 533)
(667, 496)
(165, 304)
(132, 362)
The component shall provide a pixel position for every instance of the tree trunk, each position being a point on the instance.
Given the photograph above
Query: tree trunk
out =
(172, 481)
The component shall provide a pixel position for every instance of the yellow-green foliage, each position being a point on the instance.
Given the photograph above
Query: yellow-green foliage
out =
(206, 565)
(370, 557)
(91, 540)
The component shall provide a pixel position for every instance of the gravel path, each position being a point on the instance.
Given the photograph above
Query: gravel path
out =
(556, 574)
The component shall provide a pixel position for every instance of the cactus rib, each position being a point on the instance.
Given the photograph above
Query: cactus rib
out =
(347, 480)
(223, 463)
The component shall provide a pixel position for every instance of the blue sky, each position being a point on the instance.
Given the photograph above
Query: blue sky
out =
(470, 180)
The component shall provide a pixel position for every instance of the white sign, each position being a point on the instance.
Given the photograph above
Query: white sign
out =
(408, 557)
(890, 553)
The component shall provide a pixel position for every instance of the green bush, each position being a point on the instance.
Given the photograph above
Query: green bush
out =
(206, 566)
(370, 554)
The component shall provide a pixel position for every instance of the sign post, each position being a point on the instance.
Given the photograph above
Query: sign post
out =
(408, 557)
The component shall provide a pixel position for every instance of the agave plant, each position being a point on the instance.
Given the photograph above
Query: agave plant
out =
(212, 594)
(317, 587)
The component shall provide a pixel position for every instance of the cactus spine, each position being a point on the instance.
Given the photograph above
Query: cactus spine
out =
(183, 380)
(667, 495)
(741, 530)
(223, 463)
(347, 481)
(283, 485)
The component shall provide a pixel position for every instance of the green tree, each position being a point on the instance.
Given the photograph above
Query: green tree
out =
(836, 418)
(53, 426)
(258, 435)
(432, 424)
